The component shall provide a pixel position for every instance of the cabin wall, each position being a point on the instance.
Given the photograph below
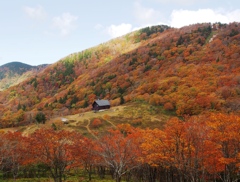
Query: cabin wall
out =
(103, 107)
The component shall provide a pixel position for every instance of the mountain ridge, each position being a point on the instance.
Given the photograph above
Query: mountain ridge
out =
(13, 73)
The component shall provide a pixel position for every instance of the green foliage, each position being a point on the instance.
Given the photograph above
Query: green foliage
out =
(23, 107)
(147, 67)
(180, 41)
(121, 90)
(85, 103)
(160, 57)
(233, 32)
(17, 67)
(205, 31)
(133, 61)
(110, 77)
(63, 100)
(40, 117)
(221, 25)
(122, 101)
(54, 126)
(2, 75)
(107, 59)
(68, 68)
(74, 100)
(137, 38)
(19, 106)
(87, 54)
(154, 29)
(15, 72)
(33, 82)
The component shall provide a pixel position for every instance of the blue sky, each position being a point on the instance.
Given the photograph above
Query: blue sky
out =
(44, 31)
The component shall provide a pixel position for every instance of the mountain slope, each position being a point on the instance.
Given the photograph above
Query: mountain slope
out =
(189, 71)
(16, 72)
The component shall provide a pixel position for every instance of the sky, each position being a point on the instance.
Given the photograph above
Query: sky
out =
(44, 31)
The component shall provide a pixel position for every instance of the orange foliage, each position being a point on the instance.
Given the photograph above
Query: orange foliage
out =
(96, 123)
(198, 148)
(178, 66)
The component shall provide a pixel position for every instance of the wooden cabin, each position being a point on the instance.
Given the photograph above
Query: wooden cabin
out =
(100, 105)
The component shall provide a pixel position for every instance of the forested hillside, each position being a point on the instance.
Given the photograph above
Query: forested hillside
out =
(16, 72)
(178, 119)
(189, 71)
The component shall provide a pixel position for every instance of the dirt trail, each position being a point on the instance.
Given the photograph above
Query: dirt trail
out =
(90, 131)
(111, 123)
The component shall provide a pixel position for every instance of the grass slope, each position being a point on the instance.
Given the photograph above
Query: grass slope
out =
(137, 114)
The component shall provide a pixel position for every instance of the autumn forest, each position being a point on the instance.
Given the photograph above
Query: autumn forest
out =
(180, 90)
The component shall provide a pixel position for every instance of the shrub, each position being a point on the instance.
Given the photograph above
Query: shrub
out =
(96, 123)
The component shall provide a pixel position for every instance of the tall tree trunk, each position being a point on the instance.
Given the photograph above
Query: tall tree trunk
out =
(90, 173)
(118, 178)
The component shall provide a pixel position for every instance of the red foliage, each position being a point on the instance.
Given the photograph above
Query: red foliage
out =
(96, 123)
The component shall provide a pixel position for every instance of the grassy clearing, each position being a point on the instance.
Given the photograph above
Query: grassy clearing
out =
(137, 114)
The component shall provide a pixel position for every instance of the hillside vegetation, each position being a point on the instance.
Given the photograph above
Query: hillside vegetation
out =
(189, 71)
(15, 72)
(174, 116)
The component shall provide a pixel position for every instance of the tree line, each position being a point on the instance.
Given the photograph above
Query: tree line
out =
(198, 148)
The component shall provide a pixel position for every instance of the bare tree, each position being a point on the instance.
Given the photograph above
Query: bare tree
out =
(119, 153)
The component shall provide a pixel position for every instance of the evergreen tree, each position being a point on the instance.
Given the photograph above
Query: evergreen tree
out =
(122, 101)
(40, 118)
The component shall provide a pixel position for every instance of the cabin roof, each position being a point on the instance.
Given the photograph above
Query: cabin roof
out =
(102, 102)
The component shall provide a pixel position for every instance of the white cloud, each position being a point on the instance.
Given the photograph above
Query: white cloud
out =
(65, 23)
(181, 18)
(234, 16)
(145, 15)
(37, 13)
(118, 30)
(122, 29)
